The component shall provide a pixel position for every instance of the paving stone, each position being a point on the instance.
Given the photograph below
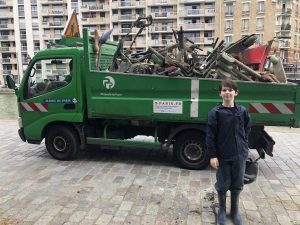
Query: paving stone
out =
(249, 205)
(104, 219)
(137, 186)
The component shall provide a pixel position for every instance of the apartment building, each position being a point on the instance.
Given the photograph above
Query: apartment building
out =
(268, 19)
(26, 26)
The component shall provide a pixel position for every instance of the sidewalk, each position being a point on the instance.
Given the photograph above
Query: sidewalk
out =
(136, 187)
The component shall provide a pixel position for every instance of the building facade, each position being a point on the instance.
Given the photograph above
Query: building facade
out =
(26, 26)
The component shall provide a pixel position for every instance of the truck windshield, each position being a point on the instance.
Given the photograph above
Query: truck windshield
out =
(47, 75)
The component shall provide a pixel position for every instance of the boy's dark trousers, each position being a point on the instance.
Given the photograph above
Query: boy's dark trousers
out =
(230, 175)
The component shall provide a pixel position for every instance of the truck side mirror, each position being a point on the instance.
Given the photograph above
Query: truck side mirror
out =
(11, 83)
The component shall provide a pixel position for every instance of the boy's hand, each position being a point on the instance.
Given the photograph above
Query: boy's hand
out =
(214, 162)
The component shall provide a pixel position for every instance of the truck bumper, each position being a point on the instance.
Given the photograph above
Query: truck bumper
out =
(21, 134)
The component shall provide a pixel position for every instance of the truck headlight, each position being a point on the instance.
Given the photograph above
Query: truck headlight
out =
(20, 122)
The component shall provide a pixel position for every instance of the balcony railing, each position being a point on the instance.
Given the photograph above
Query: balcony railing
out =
(163, 2)
(7, 38)
(245, 13)
(124, 17)
(228, 29)
(128, 4)
(286, 11)
(162, 28)
(169, 15)
(6, 72)
(56, 23)
(7, 49)
(96, 7)
(95, 20)
(162, 42)
(6, 2)
(7, 15)
(285, 44)
(284, 27)
(261, 27)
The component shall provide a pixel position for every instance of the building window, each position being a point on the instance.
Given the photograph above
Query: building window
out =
(260, 7)
(229, 9)
(246, 9)
(228, 25)
(228, 40)
(21, 10)
(259, 23)
(245, 24)
(259, 38)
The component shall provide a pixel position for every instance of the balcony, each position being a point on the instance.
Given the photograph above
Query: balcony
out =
(208, 40)
(95, 8)
(24, 48)
(198, 26)
(48, 2)
(57, 24)
(52, 36)
(130, 17)
(284, 44)
(5, 3)
(6, 15)
(259, 28)
(164, 15)
(228, 29)
(137, 44)
(162, 2)
(95, 21)
(7, 38)
(161, 42)
(132, 30)
(197, 40)
(128, 4)
(197, 12)
(23, 36)
(8, 49)
(9, 61)
(35, 25)
(195, 1)
(287, 11)
(7, 26)
(245, 13)
(54, 12)
(284, 27)
(161, 29)
(209, 12)
(260, 11)
(228, 14)
(36, 37)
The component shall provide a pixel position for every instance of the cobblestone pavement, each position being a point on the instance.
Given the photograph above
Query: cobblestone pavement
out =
(136, 187)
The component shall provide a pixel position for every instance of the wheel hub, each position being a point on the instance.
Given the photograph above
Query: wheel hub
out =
(59, 143)
(193, 151)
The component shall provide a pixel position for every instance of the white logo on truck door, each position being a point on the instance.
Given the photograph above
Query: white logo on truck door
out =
(109, 82)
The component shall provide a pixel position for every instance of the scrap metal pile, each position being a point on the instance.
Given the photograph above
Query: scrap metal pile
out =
(184, 58)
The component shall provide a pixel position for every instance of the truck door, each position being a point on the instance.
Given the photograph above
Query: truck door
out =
(49, 94)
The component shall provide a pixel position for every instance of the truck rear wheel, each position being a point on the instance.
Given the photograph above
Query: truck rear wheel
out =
(62, 142)
(190, 151)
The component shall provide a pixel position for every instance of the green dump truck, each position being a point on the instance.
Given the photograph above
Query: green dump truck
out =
(65, 99)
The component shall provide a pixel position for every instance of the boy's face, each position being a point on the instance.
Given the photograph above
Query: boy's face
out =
(228, 94)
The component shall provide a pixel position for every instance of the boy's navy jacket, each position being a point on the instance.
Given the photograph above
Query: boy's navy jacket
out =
(227, 133)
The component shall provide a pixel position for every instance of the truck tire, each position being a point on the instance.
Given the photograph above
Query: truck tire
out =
(190, 151)
(62, 142)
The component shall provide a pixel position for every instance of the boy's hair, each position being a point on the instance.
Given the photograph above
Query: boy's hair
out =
(229, 84)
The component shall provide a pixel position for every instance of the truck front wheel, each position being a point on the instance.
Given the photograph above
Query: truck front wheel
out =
(190, 150)
(62, 142)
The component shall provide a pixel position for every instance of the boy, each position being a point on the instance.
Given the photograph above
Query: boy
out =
(228, 127)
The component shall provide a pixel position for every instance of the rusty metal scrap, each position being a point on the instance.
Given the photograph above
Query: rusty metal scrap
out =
(185, 58)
